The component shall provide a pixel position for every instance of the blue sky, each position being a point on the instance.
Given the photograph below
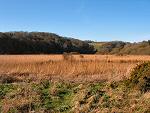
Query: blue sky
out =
(101, 20)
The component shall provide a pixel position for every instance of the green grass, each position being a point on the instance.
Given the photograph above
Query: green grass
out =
(4, 89)
(97, 45)
(63, 97)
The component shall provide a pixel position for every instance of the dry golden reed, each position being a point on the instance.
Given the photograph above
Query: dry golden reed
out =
(71, 67)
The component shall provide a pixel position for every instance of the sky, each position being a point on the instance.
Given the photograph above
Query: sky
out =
(98, 20)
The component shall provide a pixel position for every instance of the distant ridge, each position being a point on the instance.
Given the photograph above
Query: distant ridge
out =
(41, 43)
(122, 48)
(51, 43)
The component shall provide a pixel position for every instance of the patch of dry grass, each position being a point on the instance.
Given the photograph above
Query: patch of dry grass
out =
(70, 67)
(37, 83)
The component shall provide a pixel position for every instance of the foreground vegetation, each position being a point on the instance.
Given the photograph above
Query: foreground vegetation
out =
(106, 91)
(58, 96)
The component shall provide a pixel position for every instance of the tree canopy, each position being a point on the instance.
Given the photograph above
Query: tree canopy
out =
(41, 43)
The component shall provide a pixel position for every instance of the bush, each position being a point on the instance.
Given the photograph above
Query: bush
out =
(67, 56)
(140, 77)
(8, 79)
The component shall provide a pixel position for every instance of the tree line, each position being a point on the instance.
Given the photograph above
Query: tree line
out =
(41, 43)
(127, 48)
(50, 43)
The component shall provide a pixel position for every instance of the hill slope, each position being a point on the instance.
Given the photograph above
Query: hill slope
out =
(40, 43)
(119, 47)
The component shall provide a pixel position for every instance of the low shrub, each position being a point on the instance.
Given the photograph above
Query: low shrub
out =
(8, 79)
(140, 77)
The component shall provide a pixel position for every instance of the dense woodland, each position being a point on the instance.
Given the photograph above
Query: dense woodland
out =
(41, 43)
(50, 43)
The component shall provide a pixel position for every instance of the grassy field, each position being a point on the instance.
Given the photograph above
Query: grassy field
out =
(97, 45)
(70, 84)
(70, 67)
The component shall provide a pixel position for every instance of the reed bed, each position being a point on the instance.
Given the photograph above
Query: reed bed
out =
(71, 67)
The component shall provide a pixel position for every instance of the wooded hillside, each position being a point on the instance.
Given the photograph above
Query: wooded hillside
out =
(41, 43)
(119, 47)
